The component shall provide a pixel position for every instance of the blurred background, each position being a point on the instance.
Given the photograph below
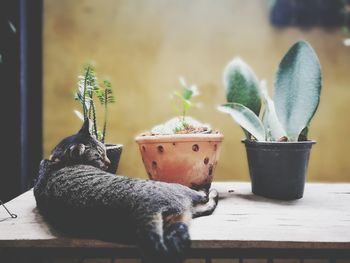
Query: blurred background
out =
(144, 46)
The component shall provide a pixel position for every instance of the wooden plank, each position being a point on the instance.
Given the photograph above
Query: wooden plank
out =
(321, 220)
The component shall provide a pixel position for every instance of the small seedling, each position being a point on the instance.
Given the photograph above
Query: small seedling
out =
(182, 101)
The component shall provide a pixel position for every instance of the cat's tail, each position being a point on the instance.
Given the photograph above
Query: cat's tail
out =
(207, 208)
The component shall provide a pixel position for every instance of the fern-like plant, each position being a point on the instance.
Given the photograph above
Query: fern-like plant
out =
(87, 91)
(106, 97)
(297, 88)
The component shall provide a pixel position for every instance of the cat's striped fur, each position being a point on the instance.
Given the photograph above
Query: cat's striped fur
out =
(75, 193)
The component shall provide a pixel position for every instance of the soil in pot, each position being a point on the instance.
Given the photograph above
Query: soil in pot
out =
(278, 169)
(114, 152)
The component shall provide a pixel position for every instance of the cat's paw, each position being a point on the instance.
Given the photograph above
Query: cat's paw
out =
(214, 195)
(177, 238)
(152, 245)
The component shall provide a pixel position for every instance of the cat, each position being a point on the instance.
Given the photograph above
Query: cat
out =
(77, 195)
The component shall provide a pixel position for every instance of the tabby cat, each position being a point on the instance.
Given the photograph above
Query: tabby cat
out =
(75, 194)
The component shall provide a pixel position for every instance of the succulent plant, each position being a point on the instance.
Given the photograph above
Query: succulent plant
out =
(297, 88)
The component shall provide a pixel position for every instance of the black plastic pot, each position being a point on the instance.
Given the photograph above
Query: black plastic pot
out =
(113, 153)
(278, 169)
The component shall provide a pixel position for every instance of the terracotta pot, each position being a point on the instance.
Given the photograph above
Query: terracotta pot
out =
(188, 159)
(113, 153)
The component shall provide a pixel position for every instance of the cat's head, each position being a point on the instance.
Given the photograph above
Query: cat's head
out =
(81, 148)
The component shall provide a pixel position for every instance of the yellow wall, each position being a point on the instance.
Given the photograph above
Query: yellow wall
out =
(144, 46)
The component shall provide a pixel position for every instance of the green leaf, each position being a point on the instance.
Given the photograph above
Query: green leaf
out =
(99, 136)
(187, 94)
(245, 118)
(105, 94)
(178, 94)
(303, 134)
(241, 85)
(273, 127)
(186, 104)
(297, 88)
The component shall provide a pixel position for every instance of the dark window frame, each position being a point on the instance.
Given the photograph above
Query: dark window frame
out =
(21, 82)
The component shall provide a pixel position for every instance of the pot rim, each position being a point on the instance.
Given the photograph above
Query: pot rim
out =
(194, 137)
(112, 145)
(274, 143)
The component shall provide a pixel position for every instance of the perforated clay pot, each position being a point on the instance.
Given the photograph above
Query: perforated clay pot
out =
(188, 159)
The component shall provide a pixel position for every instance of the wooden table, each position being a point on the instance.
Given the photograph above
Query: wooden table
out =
(243, 226)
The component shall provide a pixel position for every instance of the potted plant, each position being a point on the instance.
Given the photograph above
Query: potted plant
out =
(182, 150)
(88, 91)
(277, 146)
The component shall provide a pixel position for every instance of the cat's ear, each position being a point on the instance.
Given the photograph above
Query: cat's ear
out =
(54, 159)
(77, 150)
(85, 129)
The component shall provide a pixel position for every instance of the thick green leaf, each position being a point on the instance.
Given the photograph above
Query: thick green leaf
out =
(273, 127)
(241, 85)
(297, 88)
(245, 118)
(304, 134)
